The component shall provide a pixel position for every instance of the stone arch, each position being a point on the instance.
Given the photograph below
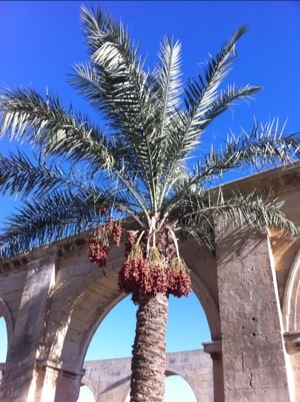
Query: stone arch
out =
(203, 268)
(88, 383)
(90, 298)
(208, 305)
(183, 375)
(291, 301)
(6, 314)
(110, 378)
(170, 372)
(291, 322)
(186, 379)
(126, 392)
(195, 367)
(73, 325)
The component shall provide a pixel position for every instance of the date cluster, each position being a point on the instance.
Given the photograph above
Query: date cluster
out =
(99, 243)
(140, 279)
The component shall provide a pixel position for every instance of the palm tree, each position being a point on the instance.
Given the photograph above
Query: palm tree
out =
(135, 172)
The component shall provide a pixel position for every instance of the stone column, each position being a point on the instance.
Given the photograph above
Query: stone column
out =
(57, 382)
(254, 359)
(214, 348)
(18, 382)
(292, 343)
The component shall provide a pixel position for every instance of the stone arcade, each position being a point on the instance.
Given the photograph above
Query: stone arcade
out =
(109, 380)
(53, 303)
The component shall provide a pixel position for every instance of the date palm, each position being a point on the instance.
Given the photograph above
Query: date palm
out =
(136, 170)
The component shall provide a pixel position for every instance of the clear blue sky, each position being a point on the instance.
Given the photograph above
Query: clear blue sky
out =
(40, 41)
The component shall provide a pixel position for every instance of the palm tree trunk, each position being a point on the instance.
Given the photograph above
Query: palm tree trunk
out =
(149, 350)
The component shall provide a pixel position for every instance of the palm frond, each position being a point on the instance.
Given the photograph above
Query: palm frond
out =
(27, 116)
(88, 81)
(58, 216)
(203, 92)
(167, 76)
(115, 68)
(19, 175)
(203, 234)
(22, 176)
(203, 103)
(135, 153)
(255, 210)
(263, 147)
(116, 84)
(165, 98)
(258, 212)
(226, 99)
(91, 21)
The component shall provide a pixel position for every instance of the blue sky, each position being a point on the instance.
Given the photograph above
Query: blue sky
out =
(40, 41)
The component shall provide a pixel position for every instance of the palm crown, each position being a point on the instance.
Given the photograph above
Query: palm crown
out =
(86, 180)
(137, 165)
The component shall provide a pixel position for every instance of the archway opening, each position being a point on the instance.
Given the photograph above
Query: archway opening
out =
(187, 324)
(114, 336)
(85, 394)
(176, 390)
(3, 340)
(187, 328)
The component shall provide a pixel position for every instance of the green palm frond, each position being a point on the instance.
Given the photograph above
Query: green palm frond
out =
(91, 21)
(44, 122)
(202, 233)
(27, 116)
(117, 71)
(88, 81)
(56, 217)
(165, 99)
(203, 92)
(167, 76)
(264, 146)
(59, 215)
(261, 148)
(257, 212)
(253, 209)
(226, 99)
(116, 84)
(19, 175)
(203, 103)
(138, 163)
(184, 141)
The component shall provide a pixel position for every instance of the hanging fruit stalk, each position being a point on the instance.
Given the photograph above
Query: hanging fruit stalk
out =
(152, 265)
(99, 242)
(149, 275)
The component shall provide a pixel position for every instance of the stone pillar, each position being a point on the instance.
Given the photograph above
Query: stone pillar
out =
(292, 343)
(254, 358)
(18, 382)
(57, 382)
(214, 348)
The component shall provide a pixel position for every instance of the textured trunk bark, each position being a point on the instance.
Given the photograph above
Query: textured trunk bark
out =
(149, 350)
